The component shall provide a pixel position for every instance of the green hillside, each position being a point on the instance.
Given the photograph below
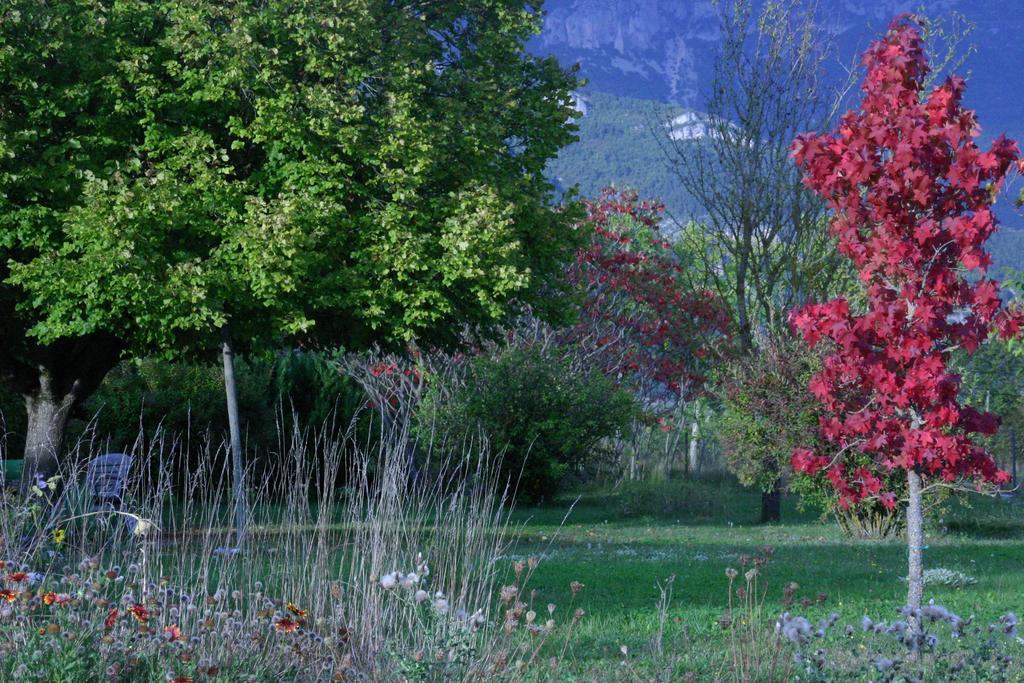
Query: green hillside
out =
(618, 146)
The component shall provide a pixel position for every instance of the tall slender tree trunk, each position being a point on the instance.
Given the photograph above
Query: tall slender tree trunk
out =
(47, 412)
(235, 431)
(693, 455)
(915, 545)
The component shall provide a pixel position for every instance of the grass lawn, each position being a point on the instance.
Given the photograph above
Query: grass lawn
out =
(622, 559)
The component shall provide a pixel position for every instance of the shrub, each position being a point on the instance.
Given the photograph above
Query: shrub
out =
(767, 412)
(185, 402)
(545, 419)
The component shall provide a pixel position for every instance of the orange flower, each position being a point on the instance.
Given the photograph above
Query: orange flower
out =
(286, 625)
(52, 598)
(301, 613)
(139, 612)
(182, 679)
(173, 631)
(111, 618)
(17, 576)
(8, 595)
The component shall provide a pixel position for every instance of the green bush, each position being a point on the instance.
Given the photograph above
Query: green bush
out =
(767, 412)
(544, 419)
(276, 393)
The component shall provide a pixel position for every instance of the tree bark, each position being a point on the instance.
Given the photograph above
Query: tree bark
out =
(52, 380)
(915, 544)
(47, 411)
(234, 428)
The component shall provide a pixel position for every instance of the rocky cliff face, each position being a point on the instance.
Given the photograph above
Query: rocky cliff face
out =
(664, 49)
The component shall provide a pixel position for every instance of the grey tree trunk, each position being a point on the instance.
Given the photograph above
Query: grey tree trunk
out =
(52, 380)
(47, 418)
(915, 544)
(693, 456)
(234, 428)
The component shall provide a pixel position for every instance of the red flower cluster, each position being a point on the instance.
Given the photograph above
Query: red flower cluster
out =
(912, 196)
(639, 317)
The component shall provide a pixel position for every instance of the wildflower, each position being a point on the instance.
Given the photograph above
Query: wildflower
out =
(286, 625)
(182, 679)
(576, 587)
(936, 612)
(731, 573)
(300, 613)
(139, 612)
(794, 629)
(409, 580)
(51, 598)
(173, 632)
(751, 574)
(111, 618)
(509, 593)
(142, 527)
(1009, 621)
(58, 536)
(17, 577)
(551, 608)
(420, 596)
(389, 581)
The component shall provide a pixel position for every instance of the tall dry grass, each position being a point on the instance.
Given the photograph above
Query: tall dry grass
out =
(395, 574)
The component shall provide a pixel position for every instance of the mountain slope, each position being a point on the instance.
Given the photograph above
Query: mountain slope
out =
(648, 60)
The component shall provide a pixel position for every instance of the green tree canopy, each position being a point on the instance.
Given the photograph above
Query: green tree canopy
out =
(358, 170)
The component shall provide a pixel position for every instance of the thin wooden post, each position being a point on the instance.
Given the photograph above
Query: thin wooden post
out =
(234, 428)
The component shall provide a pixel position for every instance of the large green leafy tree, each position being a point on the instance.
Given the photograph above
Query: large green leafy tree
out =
(359, 170)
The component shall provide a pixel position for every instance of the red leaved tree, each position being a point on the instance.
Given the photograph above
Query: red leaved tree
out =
(640, 322)
(911, 194)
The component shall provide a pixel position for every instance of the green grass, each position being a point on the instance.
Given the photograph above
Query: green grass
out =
(622, 560)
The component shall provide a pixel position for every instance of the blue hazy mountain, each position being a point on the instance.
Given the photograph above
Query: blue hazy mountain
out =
(664, 50)
(652, 60)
